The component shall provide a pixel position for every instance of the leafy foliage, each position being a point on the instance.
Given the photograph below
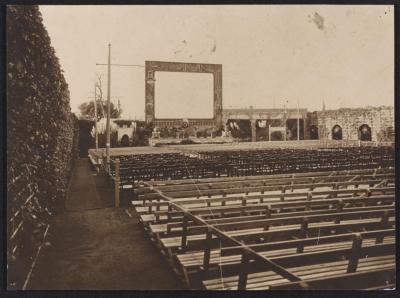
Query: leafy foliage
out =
(87, 110)
(39, 122)
(142, 133)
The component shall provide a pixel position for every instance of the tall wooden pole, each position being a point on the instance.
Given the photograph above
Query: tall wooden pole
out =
(116, 185)
(95, 119)
(285, 120)
(298, 121)
(108, 106)
(269, 132)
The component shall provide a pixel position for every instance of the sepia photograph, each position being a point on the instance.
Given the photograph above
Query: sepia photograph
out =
(200, 147)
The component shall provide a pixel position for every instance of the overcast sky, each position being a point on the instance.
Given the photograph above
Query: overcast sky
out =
(270, 54)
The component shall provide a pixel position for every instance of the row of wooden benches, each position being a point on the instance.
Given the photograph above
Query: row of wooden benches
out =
(132, 169)
(282, 182)
(246, 156)
(362, 152)
(305, 237)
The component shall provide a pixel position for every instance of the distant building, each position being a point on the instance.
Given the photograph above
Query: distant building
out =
(124, 128)
(365, 124)
(266, 124)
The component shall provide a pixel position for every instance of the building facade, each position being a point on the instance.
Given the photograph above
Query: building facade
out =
(265, 124)
(365, 124)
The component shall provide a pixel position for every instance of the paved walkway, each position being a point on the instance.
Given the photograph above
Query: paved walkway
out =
(93, 246)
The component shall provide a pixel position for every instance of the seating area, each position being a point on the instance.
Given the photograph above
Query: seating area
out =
(326, 229)
(236, 163)
(271, 161)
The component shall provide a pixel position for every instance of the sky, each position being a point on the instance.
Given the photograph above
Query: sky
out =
(271, 55)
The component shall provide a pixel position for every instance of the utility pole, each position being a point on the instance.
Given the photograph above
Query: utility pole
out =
(95, 119)
(298, 121)
(108, 106)
(109, 96)
(285, 119)
(269, 132)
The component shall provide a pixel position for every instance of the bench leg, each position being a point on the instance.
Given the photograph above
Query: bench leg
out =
(185, 276)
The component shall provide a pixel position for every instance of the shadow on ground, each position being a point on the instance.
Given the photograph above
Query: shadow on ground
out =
(94, 247)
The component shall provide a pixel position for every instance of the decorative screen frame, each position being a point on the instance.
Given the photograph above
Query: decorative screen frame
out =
(215, 69)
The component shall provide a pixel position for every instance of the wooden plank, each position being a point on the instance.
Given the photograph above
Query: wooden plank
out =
(357, 280)
(213, 192)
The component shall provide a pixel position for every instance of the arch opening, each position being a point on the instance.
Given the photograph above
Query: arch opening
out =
(125, 141)
(337, 133)
(364, 133)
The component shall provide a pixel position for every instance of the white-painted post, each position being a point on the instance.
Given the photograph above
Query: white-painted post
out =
(95, 122)
(108, 105)
(269, 132)
(117, 180)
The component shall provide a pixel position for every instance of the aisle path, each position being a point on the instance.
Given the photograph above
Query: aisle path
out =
(93, 246)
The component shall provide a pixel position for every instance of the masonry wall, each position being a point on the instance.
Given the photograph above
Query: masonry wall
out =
(379, 119)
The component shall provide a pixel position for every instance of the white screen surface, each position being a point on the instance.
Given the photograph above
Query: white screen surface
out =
(183, 95)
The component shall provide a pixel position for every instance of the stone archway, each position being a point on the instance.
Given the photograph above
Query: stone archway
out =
(337, 132)
(125, 141)
(365, 133)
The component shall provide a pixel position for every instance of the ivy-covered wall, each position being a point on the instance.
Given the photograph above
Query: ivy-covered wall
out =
(40, 133)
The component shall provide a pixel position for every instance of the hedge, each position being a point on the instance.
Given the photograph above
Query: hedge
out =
(40, 135)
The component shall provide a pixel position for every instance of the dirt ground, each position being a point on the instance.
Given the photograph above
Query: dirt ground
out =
(93, 246)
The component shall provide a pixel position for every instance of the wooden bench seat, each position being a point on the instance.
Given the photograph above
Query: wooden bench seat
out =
(174, 229)
(280, 223)
(290, 204)
(287, 180)
(263, 280)
(314, 227)
(269, 196)
(192, 262)
(369, 171)
(374, 279)
(172, 244)
(258, 189)
(162, 226)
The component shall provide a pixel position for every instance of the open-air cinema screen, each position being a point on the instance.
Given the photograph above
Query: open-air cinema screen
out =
(180, 95)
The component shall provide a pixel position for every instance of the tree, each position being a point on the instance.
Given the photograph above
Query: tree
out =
(87, 108)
